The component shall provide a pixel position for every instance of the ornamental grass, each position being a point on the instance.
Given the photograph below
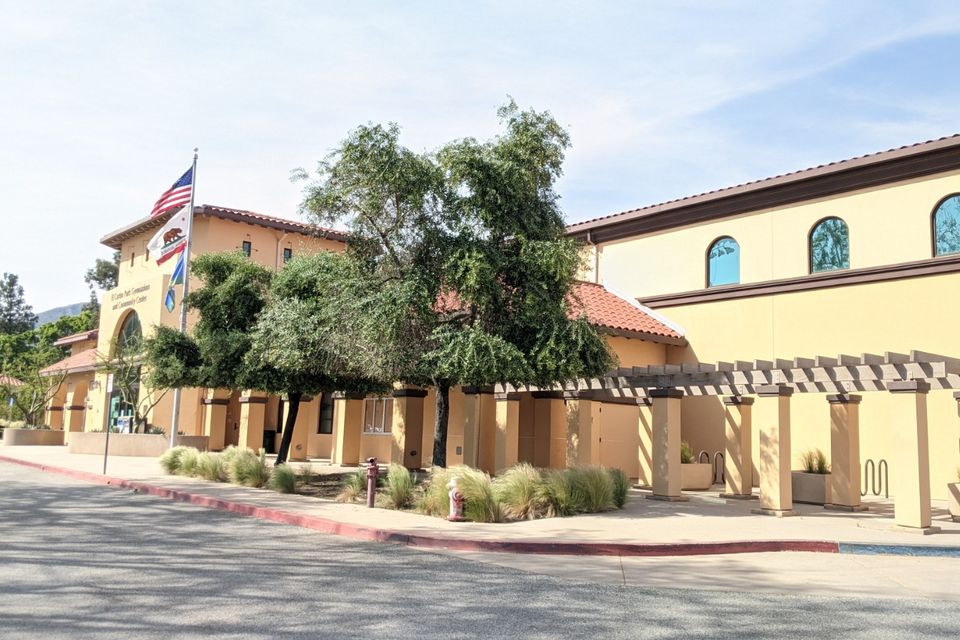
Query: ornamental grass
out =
(170, 460)
(400, 486)
(283, 479)
(188, 462)
(814, 461)
(210, 466)
(354, 485)
(249, 469)
(519, 490)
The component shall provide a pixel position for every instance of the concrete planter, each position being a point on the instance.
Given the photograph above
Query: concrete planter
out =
(144, 445)
(811, 488)
(953, 500)
(696, 476)
(32, 437)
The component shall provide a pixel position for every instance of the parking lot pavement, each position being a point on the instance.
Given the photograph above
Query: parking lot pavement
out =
(85, 561)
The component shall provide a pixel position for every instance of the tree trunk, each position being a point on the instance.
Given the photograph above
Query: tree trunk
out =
(293, 408)
(440, 430)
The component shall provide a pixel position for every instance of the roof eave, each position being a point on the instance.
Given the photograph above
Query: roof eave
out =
(915, 161)
(643, 335)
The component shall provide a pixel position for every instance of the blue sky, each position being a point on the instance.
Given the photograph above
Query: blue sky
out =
(102, 102)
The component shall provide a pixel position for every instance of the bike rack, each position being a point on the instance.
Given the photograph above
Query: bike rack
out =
(718, 460)
(876, 476)
(700, 457)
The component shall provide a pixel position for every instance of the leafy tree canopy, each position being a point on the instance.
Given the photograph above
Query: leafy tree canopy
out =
(464, 273)
(16, 316)
(102, 276)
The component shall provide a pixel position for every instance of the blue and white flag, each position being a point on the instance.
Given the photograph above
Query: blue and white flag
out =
(170, 300)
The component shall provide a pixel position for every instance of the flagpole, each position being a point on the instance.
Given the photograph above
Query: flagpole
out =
(175, 423)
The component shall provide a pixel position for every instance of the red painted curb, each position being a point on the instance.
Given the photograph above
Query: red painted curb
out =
(439, 542)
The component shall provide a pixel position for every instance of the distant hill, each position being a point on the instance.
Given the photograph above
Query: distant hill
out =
(53, 314)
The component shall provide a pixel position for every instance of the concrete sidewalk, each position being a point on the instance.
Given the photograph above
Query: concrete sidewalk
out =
(704, 525)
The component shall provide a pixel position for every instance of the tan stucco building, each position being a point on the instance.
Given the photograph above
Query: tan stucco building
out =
(810, 310)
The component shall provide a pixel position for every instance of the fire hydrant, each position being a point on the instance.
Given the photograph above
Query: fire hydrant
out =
(373, 472)
(456, 500)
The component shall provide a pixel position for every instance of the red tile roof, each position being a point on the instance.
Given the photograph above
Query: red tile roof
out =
(607, 310)
(9, 381)
(114, 239)
(77, 337)
(78, 362)
(604, 309)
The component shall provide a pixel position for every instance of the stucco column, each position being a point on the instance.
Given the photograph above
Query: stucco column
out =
(54, 413)
(253, 406)
(666, 444)
(54, 417)
(911, 466)
(737, 447)
(347, 427)
(549, 430)
(407, 427)
(776, 473)
(74, 410)
(583, 429)
(215, 417)
(479, 427)
(645, 450)
(844, 453)
(507, 440)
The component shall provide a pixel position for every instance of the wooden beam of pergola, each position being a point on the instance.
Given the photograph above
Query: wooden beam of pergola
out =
(819, 374)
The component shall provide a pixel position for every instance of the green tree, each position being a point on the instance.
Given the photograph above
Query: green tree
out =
(466, 272)
(16, 316)
(255, 331)
(125, 365)
(24, 356)
(102, 276)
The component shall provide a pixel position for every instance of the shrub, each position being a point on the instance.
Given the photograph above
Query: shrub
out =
(188, 462)
(283, 479)
(562, 493)
(596, 487)
(435, 501)
(479, 503)
(170, 460)
(519, 489)
(228, 454)
(210, 467)
(621, 486)
(686, 453)
(305, 474)
(354, 484)
(814, 461)
(400, 486)
(249, 469)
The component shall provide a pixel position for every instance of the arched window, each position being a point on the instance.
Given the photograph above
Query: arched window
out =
(723, 262)
(829, 246)
(946, 226)
(130, 334)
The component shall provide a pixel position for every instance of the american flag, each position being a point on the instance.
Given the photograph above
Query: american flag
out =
(176, 196)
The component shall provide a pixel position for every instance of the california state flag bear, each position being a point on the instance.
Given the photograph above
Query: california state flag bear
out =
(172, 237)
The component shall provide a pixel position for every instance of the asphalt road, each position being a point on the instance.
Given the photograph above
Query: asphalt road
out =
(85, 561)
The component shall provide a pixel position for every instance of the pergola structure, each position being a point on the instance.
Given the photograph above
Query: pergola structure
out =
(908, 377)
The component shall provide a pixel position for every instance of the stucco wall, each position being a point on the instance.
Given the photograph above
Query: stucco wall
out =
(888, 224)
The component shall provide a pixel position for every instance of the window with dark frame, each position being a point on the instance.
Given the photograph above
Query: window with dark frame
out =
(246, 247)
(287, 254)
(378, 415)
(325, 424)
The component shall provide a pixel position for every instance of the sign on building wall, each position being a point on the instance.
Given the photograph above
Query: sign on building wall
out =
(129, 297)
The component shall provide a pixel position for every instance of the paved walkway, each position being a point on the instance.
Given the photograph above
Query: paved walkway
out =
(704, 520)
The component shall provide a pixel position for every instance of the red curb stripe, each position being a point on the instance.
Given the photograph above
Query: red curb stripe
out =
(357, 532)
